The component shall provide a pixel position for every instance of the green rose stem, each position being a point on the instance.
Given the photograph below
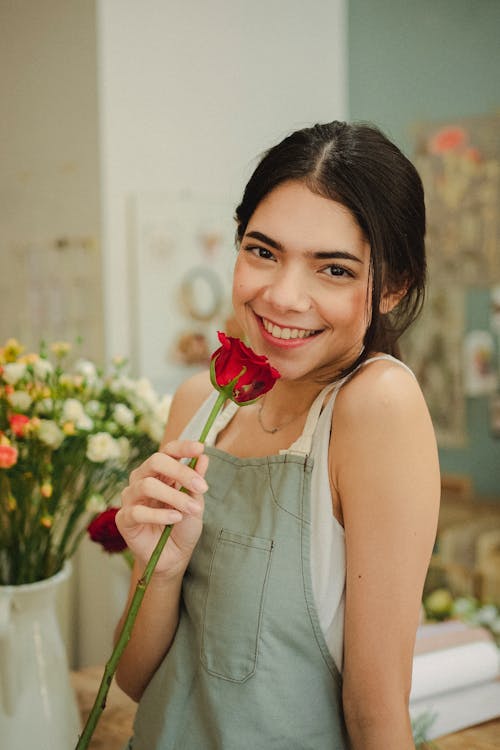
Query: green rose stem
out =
(140, 590)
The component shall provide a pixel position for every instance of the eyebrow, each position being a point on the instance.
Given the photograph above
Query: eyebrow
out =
(318, 255)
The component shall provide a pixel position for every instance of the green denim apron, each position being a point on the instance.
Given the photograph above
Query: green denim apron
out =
(249, 666)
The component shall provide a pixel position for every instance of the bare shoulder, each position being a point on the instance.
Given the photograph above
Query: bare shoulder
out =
(381, 417)
(186, 401)
(380, 390)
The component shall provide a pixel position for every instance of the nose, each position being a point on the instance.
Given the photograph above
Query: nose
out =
(288, 291)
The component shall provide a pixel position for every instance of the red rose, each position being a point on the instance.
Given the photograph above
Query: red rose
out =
(8, 456)
(104, 531)
(250, 375)
(18, 424)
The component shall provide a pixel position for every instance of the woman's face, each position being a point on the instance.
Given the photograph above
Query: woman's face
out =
(301, 287)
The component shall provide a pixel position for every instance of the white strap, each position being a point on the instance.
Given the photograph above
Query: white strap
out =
(303, 444)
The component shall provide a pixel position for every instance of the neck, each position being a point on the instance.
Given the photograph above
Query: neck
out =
(286, 402)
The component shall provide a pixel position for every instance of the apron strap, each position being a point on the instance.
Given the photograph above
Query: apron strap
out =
(302, 446)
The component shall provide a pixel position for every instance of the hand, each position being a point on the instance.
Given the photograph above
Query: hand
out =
(153, 499)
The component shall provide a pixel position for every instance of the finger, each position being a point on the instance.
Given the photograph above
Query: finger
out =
(183, 448)
(152, 492)
(128, 519)
(170, 471)
(202, 465)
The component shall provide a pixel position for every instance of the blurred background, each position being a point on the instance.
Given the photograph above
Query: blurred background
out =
(128, 131)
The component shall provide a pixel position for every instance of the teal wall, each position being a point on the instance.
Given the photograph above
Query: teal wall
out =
(422, 60)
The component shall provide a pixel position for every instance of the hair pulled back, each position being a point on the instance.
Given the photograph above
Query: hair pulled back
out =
(355, 165)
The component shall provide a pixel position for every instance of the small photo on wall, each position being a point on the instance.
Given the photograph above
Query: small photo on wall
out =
(479, 364)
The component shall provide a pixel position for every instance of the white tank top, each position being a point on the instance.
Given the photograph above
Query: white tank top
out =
(328, 569)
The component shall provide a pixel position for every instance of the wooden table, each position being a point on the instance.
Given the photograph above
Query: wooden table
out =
(115, 725)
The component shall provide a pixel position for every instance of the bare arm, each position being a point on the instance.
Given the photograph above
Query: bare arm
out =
(386, 472)
(152, 500)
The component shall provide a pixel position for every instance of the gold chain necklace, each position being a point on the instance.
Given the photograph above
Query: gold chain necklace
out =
(273, 430)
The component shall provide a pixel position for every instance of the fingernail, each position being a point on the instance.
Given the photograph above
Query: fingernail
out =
(199, 485)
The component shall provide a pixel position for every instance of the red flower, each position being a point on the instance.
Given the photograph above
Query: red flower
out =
(104, 531)
(8, 456)
(249, 375)
(18, 424)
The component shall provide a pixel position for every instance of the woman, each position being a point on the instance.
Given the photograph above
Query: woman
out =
(283, 611)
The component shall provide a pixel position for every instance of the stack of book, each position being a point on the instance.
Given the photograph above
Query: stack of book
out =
(456, 677)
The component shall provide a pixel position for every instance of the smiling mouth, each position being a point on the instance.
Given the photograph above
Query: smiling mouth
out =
(287, 333)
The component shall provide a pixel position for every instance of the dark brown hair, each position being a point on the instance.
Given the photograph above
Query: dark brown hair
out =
(356, 165)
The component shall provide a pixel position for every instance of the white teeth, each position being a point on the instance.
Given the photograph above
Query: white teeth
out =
(285, 333)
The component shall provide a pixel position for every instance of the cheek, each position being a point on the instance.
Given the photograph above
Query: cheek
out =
(242, 282)
(353, 308)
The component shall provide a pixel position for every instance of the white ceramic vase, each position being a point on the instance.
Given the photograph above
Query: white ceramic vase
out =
(37, 703)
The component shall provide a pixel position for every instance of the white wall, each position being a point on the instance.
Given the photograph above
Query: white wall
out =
(49, 178)
(191, 92)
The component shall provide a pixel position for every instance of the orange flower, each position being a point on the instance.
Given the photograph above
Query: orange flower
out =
(8, 456)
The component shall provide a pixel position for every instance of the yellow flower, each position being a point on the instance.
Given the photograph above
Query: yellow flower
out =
(46, 490)
(11, 350)
(60, 348)
(69, 428)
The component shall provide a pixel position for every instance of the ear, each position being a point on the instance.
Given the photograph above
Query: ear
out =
(391, 299)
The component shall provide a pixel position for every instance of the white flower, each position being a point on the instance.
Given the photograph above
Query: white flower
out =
(84, 423)
(19, 400)
(72, 410)
(102, 447)
(95, 503)
(152, 427)
(45, 406)
(144, 390)
(124, 446)
(121, 385)
(123, 415)
(42, 368)
(95, 408)
(86, 368)
(50, 434)
(13, 371)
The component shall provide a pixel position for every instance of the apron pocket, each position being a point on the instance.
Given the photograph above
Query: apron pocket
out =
(233, 609)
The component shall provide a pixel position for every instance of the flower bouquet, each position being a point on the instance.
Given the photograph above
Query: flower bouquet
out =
(69, 438)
